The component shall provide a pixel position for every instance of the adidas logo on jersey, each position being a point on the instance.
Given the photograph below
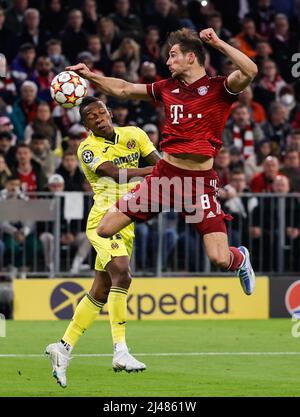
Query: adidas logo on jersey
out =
(210, 215)
(176, 91)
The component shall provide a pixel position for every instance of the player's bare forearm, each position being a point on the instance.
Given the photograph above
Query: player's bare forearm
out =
(121, 175)
(239, 79)
(153, 158)
(112, 86)
(242, 61)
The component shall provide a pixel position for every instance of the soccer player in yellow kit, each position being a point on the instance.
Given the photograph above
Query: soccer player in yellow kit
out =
(109, 158)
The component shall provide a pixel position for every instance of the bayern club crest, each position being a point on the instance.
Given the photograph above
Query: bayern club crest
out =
(202, 90)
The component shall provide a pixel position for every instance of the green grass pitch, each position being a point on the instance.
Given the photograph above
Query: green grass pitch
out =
(263, 374)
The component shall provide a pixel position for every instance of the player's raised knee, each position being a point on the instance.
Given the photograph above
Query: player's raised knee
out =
(104, 231)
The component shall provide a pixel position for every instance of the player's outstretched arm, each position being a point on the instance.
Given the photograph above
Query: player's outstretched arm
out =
(239, 79)
(112, 86)
(121, 175)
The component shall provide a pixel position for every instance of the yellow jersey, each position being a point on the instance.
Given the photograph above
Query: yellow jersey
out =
(123, 150)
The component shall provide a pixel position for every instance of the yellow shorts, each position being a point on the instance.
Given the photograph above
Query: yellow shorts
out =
(107, 248)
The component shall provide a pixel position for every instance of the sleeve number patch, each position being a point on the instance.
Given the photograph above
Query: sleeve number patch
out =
(87, 156)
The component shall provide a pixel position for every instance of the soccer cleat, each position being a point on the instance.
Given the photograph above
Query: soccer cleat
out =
(123, 361)
(246, 273)
(59, 361)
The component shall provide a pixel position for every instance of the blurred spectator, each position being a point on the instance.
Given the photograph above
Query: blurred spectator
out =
(28, 171)
(228, 67)
(87, 58)
(101, 62)
(119, 70)
(248, 38)
(241, 131)
(151, 50)
(8, 93)
(221, 165)
(7, 39)
(90, 16)
(20, 243)
(129, 52)
(215, 21)
(253, 164)
(268, 87)
(25, 108)
(74, 140)
(120, 114)
(265, 229)
(109, 36)
(70, 172)
(276, 128)
(284, 45)
(43, 77)
(263, 181)
(263, 14)
(129, 24)
(42, 154)
(70, 235)
(43, 124)
(32, 32)
(54, 17)
(74, 38)
(4, 171)
(65, 118)
(164, 18)
(236, 159)
(14, 16)
(22, 67)
(152, 132)
(54, 52)
(7, 126)
(148, 73)
(291, 168)
(141, 112)
(239, 207)
(294, 139)
(7, 149)
(257, 112)
(286, 97)
(263, 52)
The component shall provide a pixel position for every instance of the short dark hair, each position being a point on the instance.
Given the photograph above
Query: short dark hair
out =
(26, 47)
(86, 102)
(38, 136)
(188, 41)
(13, 177)
(6, 135)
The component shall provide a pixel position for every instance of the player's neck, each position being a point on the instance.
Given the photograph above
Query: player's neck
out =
(192, 76)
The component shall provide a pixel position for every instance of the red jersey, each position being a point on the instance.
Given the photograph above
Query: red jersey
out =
(28, 181)
(195, 114)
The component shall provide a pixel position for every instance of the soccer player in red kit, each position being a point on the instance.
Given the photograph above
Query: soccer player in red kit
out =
(196, 110)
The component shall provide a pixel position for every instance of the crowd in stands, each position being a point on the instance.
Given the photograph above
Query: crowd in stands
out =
(127, 39)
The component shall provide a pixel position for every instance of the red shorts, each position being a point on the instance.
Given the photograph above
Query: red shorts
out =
(194, 194)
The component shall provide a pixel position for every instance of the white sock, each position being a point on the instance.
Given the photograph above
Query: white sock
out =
(120, 346)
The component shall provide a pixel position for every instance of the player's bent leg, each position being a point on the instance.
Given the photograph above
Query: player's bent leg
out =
(85, 314)
(119, 271)
(113, 222)
(230, 259)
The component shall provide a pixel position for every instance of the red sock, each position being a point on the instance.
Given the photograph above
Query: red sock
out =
(236, 259)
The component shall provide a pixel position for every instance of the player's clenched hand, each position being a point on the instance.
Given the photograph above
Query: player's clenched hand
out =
(209, 36)
(81, 69)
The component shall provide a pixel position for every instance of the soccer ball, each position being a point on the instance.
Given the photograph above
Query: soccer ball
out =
(68, 89)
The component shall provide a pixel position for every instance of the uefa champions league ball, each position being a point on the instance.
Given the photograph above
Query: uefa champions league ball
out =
(68, 89)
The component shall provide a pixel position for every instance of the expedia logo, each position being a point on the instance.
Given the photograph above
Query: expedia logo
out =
(126, 159)
(197, 302)
(292, 298)
(64, 299)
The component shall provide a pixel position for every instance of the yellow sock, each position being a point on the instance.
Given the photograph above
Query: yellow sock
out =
(85, 314)
(117, 309)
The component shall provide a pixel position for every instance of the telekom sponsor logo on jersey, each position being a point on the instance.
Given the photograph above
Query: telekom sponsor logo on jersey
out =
(177, 113)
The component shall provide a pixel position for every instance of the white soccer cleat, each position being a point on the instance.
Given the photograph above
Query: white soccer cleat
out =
(123, 361)
(59, 361)
(246, 273)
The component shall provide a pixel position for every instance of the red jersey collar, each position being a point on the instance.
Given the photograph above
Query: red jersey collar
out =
(196, 83)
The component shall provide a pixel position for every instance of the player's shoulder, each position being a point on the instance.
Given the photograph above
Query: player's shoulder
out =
(217, 79)
(129, 131)
(166, 82)
(85, 144)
